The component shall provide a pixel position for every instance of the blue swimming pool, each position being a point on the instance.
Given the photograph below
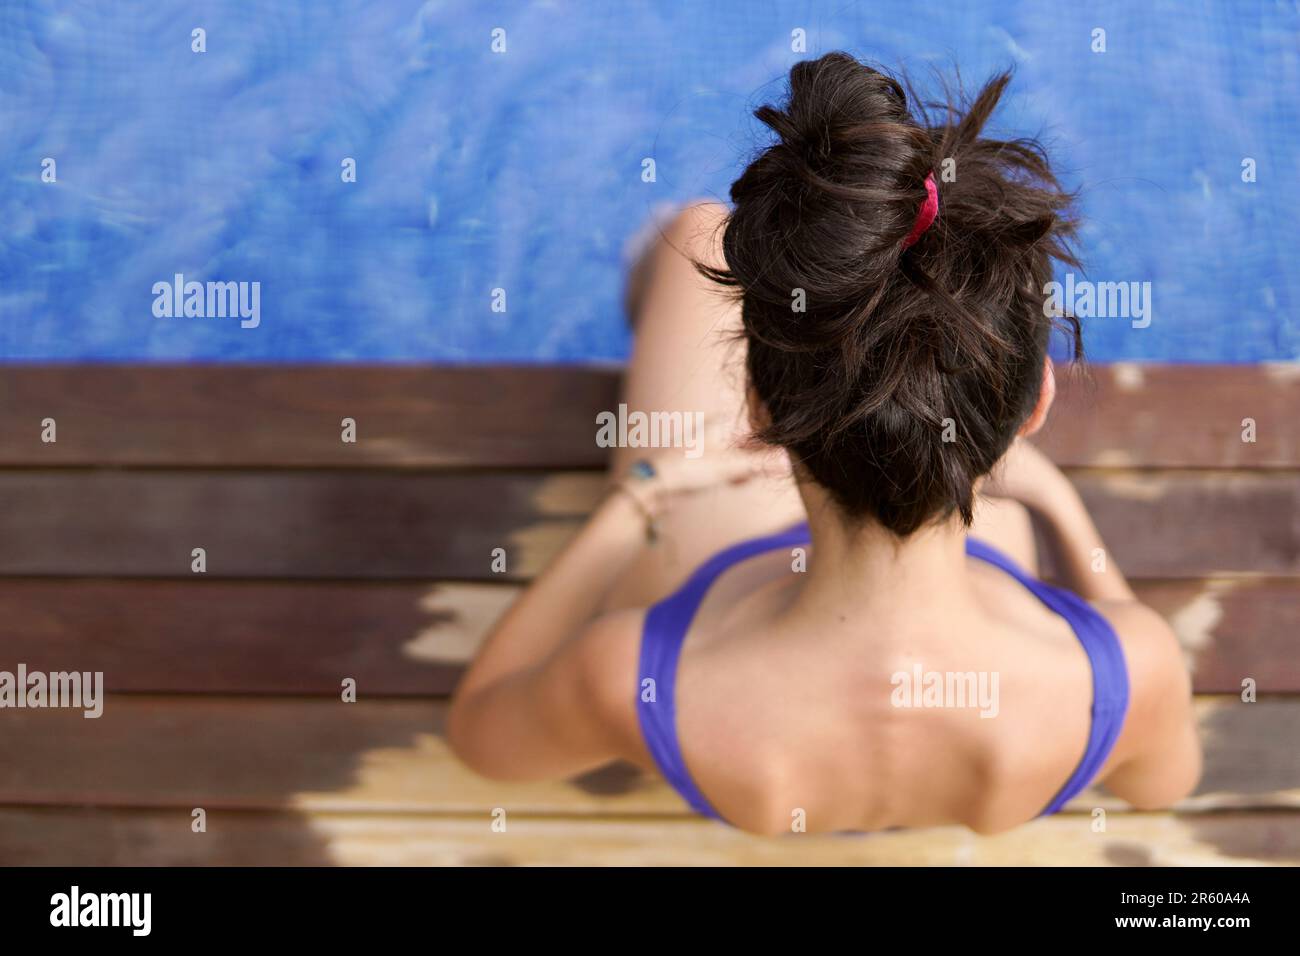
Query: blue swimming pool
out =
(520, 168)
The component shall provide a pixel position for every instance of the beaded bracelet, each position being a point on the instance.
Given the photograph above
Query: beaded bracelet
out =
(641, 470)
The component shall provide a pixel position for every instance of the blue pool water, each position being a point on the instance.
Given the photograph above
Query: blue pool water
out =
(522, 170)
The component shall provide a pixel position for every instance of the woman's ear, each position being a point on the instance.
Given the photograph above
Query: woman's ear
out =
(1046, 395)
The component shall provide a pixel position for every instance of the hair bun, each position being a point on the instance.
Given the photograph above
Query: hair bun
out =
(836, 103)
(842, 186)
(864, 350)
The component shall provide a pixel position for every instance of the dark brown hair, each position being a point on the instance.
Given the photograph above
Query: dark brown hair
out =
(893, 342)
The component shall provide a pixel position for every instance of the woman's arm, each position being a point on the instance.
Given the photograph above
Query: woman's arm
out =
(1158, 756)
(1157, 760)
(563, 598)
(538, 700)
(552, 684)
(1027, 475)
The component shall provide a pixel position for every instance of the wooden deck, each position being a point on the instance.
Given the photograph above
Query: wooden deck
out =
(371, 561)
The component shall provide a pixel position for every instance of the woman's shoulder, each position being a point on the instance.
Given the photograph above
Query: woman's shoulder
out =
(1158, 750)
(1152, 655)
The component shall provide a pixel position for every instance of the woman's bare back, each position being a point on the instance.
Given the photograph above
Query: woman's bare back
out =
(789, 718)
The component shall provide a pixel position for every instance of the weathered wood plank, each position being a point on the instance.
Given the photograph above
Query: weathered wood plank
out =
(90, 837)
(336, 524)
(395, 638)
(389, 756)
(1177, 524)
(1176, 416)
(289, 416)
(294, 524)
(267, 753)
(249, 637)
(1232, 629)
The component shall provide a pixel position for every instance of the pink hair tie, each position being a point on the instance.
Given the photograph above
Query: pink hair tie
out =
(928, 214)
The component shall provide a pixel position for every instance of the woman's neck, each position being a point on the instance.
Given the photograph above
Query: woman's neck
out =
(851, 563)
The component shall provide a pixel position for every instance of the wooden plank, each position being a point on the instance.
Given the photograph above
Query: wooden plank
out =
(1177, 524)
(270, 753)
(389, 756)
(1176, 416)
(92, 837)
(428, 525)
(394, 638)
(249, 637)
(296, 524)
(1232, 629)
(289, 416)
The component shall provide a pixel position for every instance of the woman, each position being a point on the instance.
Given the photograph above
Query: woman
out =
(829, 620)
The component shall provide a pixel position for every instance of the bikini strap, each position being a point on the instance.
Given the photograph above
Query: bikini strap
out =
(1110, 685)
(666, 624)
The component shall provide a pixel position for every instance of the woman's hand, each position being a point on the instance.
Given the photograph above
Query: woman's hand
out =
(1025, 475)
